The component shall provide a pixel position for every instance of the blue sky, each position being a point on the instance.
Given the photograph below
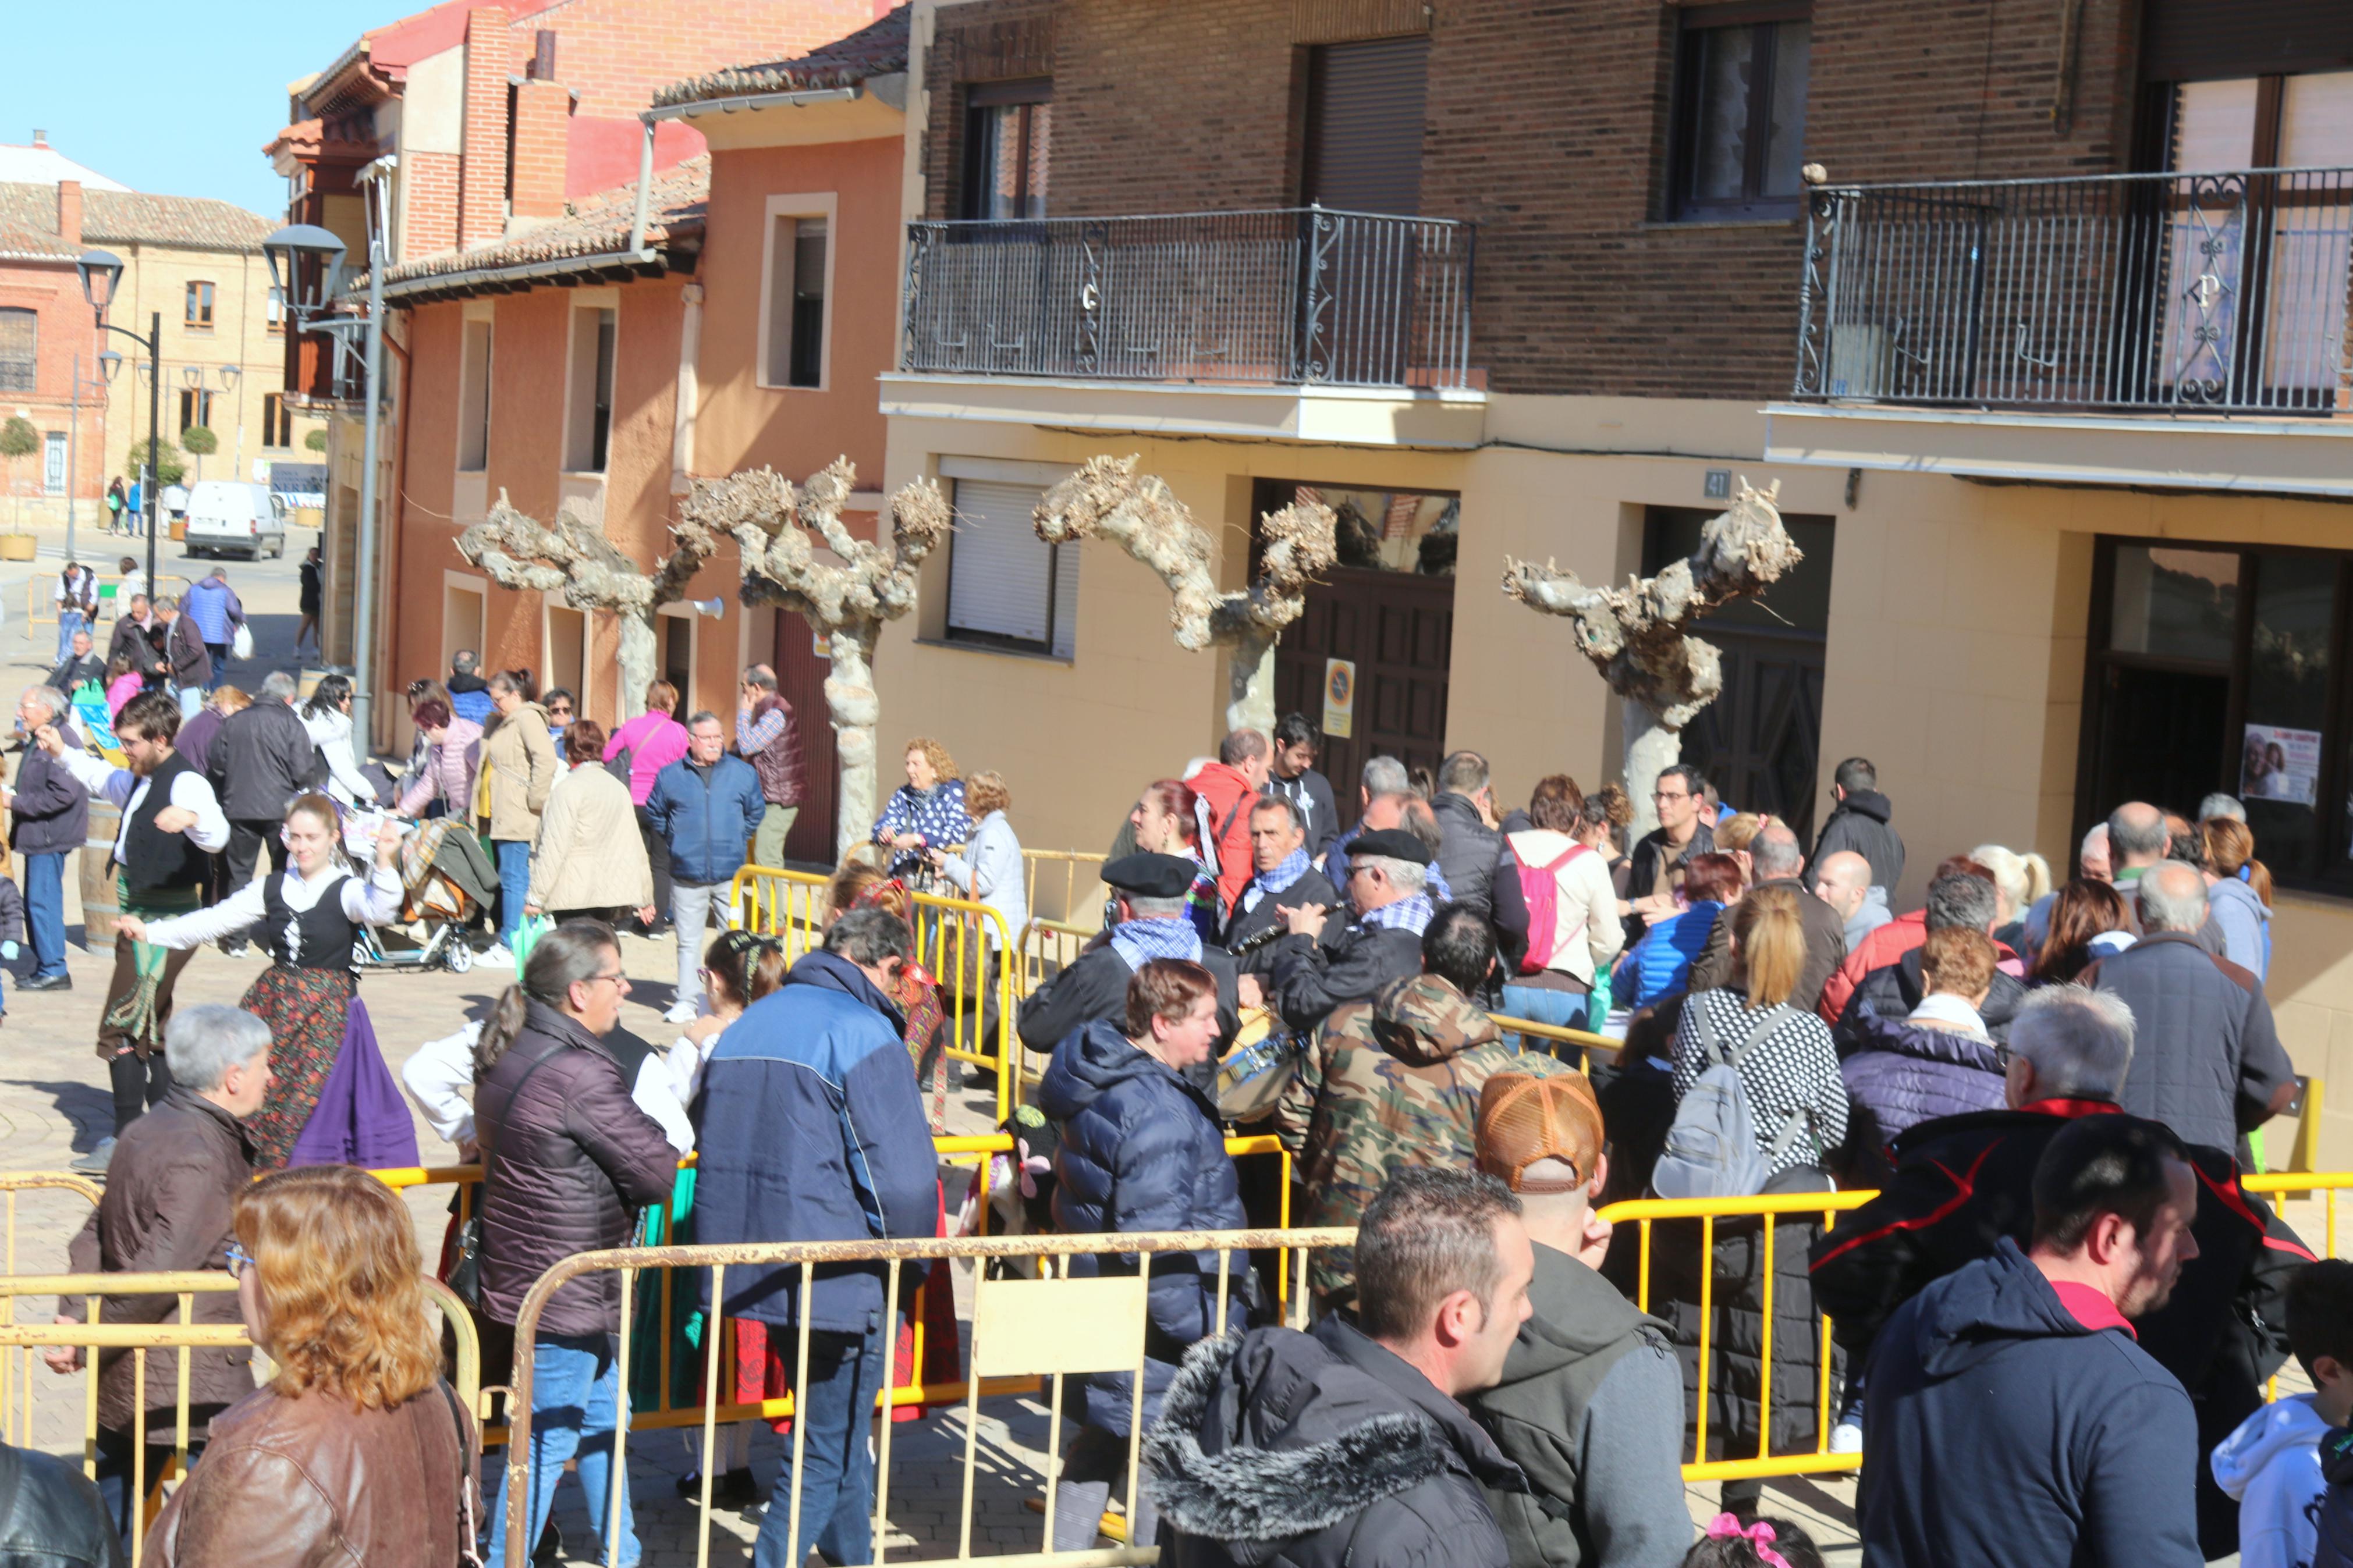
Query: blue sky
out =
(173, 98)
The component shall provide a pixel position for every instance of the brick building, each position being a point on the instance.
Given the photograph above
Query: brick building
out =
(2053, 386)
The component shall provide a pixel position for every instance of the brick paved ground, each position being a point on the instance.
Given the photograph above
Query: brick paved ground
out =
(54, 1103)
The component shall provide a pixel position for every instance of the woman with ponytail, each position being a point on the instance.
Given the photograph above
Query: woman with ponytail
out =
(2238, 892)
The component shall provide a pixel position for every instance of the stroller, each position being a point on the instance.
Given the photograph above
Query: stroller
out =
(446, 880)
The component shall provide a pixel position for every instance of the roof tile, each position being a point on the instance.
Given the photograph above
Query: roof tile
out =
(879, 48)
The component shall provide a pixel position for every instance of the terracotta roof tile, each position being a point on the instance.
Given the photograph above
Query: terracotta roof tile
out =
(879, 48)
(197, 223)
(599, 224)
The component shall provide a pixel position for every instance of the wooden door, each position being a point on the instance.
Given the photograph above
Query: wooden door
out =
(800, 680)
(1398, 629)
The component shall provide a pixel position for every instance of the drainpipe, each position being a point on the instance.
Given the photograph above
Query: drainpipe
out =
(645, 184)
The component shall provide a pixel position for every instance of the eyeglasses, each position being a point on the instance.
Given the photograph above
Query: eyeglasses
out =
(616, 975)
(1670, 795)
(239, 1260)
(559, 712)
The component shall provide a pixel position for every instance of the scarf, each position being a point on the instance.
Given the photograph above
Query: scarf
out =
(134, 1015)
(1141, 941)
(1411, 913)
(1293, 867)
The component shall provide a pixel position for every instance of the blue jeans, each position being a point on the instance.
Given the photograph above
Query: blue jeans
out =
(45, 912)
(219, 652)
(115, 1451)
(845, 1375)
(514, 884)
(1543, 1005)
(68, 623)
(576, 1395)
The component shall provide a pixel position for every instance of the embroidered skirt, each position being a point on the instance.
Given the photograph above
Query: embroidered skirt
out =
(327, 1069)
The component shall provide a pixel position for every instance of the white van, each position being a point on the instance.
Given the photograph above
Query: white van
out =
(228, 516)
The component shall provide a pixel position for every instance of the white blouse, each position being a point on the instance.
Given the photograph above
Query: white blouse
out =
(441, 1073)
(372, 899)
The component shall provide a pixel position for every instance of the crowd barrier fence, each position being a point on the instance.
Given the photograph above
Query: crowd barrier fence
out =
(41, 610)
(1034, 864)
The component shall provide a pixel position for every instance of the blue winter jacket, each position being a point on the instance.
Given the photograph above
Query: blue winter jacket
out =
(1142, 1151)
(1659, 965)
(2000, 1430)
(706, 816)
(1906, 1073)
(810, 1129)
(214, 606)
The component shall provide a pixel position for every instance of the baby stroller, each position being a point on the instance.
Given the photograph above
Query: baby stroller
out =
(446, 880)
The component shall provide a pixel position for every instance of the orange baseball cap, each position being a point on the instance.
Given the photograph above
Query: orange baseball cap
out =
(1526, 1117)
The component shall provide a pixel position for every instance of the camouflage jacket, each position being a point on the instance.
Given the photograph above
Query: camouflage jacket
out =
(1388, 1083)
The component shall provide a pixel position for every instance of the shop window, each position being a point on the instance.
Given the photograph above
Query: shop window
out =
(1006, 587)
(2212, 669)
(1740, 111)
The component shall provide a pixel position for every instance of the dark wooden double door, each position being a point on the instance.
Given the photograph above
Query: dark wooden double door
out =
(1397, 630)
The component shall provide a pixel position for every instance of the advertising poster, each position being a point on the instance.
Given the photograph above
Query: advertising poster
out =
(2280, 764)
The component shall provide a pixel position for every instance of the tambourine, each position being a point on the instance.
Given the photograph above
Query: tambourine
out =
(1256, 1069)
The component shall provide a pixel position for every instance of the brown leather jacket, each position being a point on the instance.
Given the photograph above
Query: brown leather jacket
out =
(309, 1481)
(176, 1172)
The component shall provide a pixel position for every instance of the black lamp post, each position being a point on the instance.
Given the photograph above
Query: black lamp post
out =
(100, 271)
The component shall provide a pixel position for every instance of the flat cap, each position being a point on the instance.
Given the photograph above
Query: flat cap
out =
(1390, 844)
(1152, 875)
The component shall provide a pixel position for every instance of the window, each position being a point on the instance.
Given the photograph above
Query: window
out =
(588, 418)
(1364, 111)
(798, 257)
(20, 346)
(200, 306)
(677, 655)
(53, 464)
(275, 309)
(1007, 149)
(2211, 669)
(1740, 111)
(1006, 587)
(474, 400)
(195, 408)
(277, 420)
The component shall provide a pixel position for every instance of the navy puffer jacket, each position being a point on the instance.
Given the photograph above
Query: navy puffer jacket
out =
(1142, 1152)
(1901, 1074)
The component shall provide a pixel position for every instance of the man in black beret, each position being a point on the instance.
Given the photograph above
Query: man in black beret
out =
(1388, 871)
(1152, 923)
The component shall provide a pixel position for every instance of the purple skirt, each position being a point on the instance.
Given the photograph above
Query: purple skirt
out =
(361, 1118)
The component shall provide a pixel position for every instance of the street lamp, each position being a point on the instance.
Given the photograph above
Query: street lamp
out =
(100, 271)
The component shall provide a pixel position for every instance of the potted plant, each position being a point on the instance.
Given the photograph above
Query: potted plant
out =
(18, 440)
(168, 470)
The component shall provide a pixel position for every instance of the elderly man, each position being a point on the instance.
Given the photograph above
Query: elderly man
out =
(175, 1175)
(706, 806)
(1843, 881)
(170, 823)
(134, 634)
(1780, 861)
(2208, 1062)
(186, 664)
(1285, 878)
(767, 737)
(48, 817)
(1148, 894)
(2091, 863)
(1380, 776)
(1388, 873)
(80, 665)
(1964, 1183)
(1394, 808)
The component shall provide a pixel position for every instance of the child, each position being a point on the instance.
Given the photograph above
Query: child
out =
(1767, 1543)
(12, 928)
(2271, 1463)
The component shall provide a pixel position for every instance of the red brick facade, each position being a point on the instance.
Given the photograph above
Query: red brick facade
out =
(482, 165)
(1550, 128)
(542, 111)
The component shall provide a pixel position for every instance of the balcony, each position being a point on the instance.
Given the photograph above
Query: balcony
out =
(1351, 306)
(1966, 327)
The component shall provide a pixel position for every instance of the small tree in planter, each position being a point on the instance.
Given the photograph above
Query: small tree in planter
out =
(18, 440)
(200, 441)
(168, 467)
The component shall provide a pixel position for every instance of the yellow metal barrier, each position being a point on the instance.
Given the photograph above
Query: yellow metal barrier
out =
(15, 1181)
(788, 905)
(1568, 1044)
(139, 1339)
(1034, 861)
(2275, 1185)
(970, 952)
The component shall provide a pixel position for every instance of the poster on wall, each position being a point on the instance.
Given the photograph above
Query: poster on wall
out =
(2280, 764)
(1339, 699)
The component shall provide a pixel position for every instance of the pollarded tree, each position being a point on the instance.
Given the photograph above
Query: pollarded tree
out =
(573, 557)
(845, 598)
(1107, 499)
(1635, 634)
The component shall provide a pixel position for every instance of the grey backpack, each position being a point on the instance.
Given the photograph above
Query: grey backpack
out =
(1711, 1150)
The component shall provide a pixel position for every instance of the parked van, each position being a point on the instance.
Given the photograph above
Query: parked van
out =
(227, 517)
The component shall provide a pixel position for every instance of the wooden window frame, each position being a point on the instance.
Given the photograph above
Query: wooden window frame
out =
(200, 317)
(1024, 92)
(1753, 204)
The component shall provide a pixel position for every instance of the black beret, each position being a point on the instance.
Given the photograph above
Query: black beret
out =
(1152, 875)
(1390, 844)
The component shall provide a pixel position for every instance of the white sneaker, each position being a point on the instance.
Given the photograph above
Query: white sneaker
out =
(495, 956)
(1846, 1437)
(682, 1011)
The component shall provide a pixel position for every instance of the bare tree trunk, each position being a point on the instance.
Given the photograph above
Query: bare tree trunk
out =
(1650, 749)
(1249, 703)
(640, 651)
(856, 710)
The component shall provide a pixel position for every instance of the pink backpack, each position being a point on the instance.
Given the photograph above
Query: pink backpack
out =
(1540, 887)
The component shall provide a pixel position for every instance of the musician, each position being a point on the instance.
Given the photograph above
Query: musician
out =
(1287, 878)
(1149, 893)
(1387, 876)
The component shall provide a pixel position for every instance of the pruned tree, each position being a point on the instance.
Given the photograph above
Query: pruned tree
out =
(1108, 500)
(573, 556)
(1635, 634)
(845, 597)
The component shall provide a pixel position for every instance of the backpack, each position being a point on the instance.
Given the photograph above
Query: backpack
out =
(1711, 1148)
(1540, 888)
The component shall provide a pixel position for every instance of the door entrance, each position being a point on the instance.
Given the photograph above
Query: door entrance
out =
(1387, 612)
(800, 680)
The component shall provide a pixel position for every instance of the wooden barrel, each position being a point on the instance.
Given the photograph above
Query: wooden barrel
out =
(98, 908)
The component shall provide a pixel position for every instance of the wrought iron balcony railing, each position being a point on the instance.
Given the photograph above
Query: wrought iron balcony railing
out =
(1288, 296)
(2213, 293)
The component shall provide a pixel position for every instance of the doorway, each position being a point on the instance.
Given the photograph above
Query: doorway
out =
(801, 665)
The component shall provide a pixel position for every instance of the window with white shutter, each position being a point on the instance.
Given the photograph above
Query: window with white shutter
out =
(1006, 587)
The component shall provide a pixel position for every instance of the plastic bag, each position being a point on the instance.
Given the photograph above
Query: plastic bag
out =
(526, 937)
(240, 642)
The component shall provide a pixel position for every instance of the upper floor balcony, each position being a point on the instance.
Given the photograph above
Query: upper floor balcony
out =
(1966, 325)
(1302, 322)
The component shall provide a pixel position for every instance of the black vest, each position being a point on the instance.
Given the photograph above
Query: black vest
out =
(325, 935)
(154, 860)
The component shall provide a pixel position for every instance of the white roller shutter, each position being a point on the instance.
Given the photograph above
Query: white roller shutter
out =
(1005, 584)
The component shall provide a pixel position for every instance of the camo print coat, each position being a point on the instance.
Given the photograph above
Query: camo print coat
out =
(1388, 1083)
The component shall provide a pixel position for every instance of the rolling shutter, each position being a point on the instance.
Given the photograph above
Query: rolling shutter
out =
(1364, 131)
(1005, 584)
(2202, 41)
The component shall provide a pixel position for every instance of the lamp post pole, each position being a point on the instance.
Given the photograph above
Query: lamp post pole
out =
(364, 577)
(150, 492)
